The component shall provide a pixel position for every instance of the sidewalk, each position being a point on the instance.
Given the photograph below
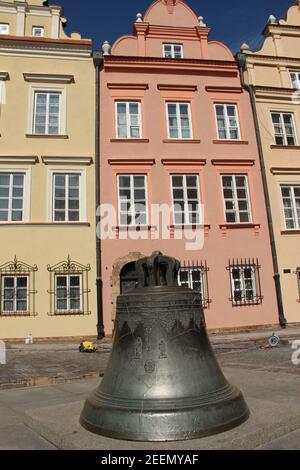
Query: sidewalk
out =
(49, 363)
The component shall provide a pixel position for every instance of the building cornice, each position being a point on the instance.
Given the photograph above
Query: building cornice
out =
(163, 87)
(275, 93)
(224, 89)
(232, 162)
(285, 171)
(67, 160)
(184, 161)
(131, 162)
(221, 67)
(128, 86)
(256, 57)
(48, 78)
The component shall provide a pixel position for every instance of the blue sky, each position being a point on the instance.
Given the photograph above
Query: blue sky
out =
(232, 21)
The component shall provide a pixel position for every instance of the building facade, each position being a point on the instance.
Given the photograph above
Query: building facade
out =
(274, 75)
(47, 175)
(177, 129)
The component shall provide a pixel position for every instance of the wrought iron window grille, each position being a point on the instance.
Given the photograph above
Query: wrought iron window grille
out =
(297, 272)
(245, 284)
(203, 269)
(18, 269)
(77, 293)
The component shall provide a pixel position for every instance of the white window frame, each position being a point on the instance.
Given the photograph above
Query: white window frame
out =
(282, 124)
(243, 284)
(62, 114)
(186, 208)
(35, 28)
(82, 194)
(227, 121)
(190, 281)
(132, 201)
(68, 309)
(128, 119)
(15, 311)
(236, 199)
(178, 103)
(297, 73)
(26, 194)
(172, 45)
(294, 206)
(6, 26)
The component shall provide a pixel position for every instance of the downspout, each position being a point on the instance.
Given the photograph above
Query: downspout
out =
(241, 58)
(98, 61)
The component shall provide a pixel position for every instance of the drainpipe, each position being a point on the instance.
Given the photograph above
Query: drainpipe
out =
(98, 61)
(241, 58)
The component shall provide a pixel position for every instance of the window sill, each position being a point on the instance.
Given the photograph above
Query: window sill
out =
(290, 232)
(181, 141)
(16, 314)
(45, 224)
(247, 304)
(284, 147)
(69, 314)
(229, 141)
(189, 227)
(238, 226)
(130, 141)
(46, 136)
(134, 228)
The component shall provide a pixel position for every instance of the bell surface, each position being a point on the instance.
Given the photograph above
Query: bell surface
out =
(163, 381)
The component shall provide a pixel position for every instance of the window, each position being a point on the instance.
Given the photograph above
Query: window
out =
(18, 292)
(66, 197)
(284, 129)
(295, 79)
(291, 206)
(46, 118)
(245, 282)
(12, 197)
(227, 121)
(38, 31)
(15, 294)
(236, 199)
(186, 199)
(132, 200)
(69, 288)
(128, 125)
(195, 277)
(173, 51)
(68, 293)
(4, 28)
(179, 120)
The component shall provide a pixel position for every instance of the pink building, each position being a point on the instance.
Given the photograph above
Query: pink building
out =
(177, 129)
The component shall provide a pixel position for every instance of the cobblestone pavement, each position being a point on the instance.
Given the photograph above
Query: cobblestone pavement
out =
(44, 364)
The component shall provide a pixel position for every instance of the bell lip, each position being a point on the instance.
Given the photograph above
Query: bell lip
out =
(219, 429)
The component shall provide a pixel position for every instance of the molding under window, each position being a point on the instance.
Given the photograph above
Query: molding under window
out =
(285, 147)
(231, 141)
(48, 78)
(290, 232)
(131, 141)
(67, 160)
(30, 160)
(4, 76)
(181, 141)
(47, 136)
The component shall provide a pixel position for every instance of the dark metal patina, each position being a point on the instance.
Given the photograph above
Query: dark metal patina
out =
(163, 382)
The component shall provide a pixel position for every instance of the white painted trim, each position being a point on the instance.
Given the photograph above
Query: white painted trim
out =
(243, 290)
(35, 28)
(234, 176)
(281, 113)
(6, 32)
(27, 192)
(178, 103)
(21, 20)
(172, 44)
(63, 108)
(68, 276)
(226, 117)
(132, 200)
(67, 160)
(184, 188)
(48, 78)
(128, 119)
(82, 193)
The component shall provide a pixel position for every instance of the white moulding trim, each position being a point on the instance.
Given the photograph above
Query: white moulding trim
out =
(67, 160)
(30, 160)
(48, 78)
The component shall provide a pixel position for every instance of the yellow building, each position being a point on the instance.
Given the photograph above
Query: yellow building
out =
(274, 75)
(47, 175)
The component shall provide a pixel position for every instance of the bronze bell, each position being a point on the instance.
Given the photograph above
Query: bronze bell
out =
(163, 382)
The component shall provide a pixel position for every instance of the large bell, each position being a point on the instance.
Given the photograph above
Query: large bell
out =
(163, 382)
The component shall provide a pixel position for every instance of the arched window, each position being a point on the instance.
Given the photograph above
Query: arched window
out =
(128, 278)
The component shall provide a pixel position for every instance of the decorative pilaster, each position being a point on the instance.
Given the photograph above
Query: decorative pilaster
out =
(141, 29)
(21, 9)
